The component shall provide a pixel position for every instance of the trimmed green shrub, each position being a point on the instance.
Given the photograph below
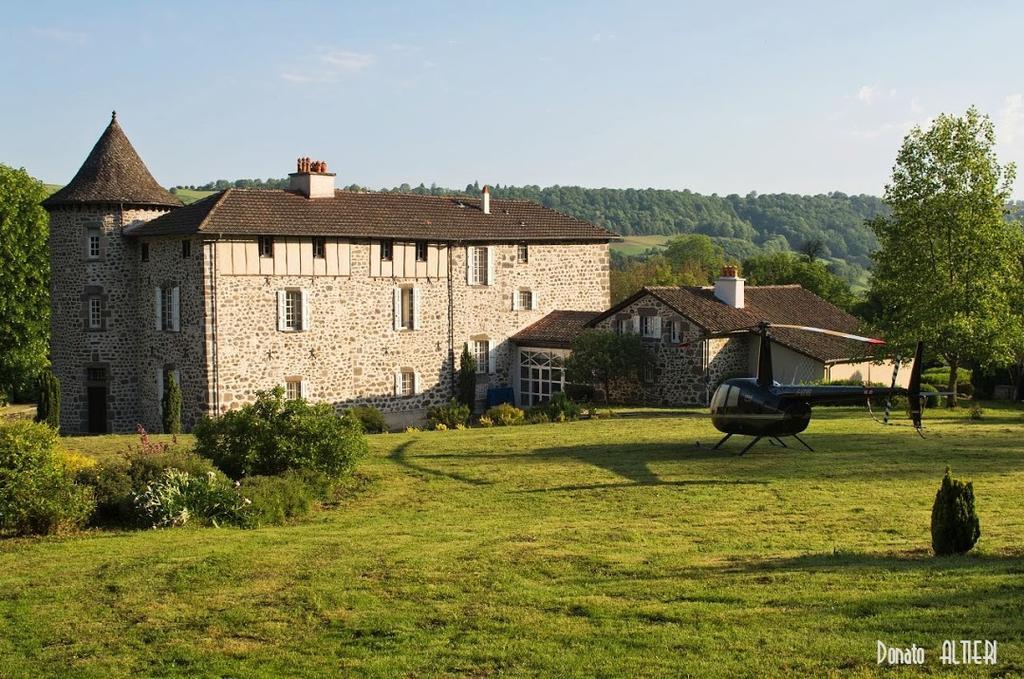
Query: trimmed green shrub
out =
(273, 435)
(466, 382)
(561, 408)
(505, 414)
(171, 405)
(48, 405)
(38, 493)
(451, 415)
(176, 498)
(931, 395)
(955, 524)
(371, 418)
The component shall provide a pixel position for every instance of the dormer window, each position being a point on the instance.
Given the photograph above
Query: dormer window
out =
(319, 247)
(421, 251)
(387, 250)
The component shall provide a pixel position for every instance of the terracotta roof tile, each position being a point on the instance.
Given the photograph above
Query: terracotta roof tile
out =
(113, 173)
(790, 304)
(556, 330)
(371, 215)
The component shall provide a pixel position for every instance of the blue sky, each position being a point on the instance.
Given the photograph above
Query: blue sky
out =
(713, 97)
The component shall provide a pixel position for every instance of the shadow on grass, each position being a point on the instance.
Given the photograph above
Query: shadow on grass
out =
(628, 461)
(400, 455)
(660, 414)
(921, 559)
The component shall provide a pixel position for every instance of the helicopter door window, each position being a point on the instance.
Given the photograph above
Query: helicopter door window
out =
(733, 398)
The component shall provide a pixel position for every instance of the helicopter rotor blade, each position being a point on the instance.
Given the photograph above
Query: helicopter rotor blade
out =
(834, 333)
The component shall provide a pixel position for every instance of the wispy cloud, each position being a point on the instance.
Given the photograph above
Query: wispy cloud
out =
(868, 93)
(1011, 119)
(61, 35)
(328, 65)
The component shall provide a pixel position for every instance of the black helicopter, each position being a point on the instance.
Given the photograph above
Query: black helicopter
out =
(763, 408)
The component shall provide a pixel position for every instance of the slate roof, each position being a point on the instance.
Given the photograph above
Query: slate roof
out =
(361, 214)
(790, 304)
(557, 330)
(113, 173)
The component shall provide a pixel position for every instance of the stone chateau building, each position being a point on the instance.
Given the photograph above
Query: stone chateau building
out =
(338, 296)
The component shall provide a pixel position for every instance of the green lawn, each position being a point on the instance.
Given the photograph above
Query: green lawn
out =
(189, 196)
(598, 548)
(637, 245)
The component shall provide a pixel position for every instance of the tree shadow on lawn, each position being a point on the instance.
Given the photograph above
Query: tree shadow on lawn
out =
(628, 461)
(1010, 562)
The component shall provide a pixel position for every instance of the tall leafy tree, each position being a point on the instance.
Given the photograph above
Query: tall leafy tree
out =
(947, 255)
(24, 280)
(602, 357)
(784, 268)
(695, 258)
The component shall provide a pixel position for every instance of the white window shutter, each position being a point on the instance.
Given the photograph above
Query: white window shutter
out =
(533, 300)
(415, 383)
(636, 325)
(415, 308)
(158, 307)
(490, 265)
(470, 252)
(398, 383)
(160, 390)
(657, 326)
(492, 357)
(280, 310)
(397, 297)
(176, 308)
(304, 389)
(515, 300)
(304, 295)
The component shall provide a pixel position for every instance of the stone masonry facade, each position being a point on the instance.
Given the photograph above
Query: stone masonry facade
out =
(679, 375)
(227, 345)
(106, 356)
(350, 352)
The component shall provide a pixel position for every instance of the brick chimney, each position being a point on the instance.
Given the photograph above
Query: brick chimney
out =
(486, 204)
(729, 287)
(312, 179)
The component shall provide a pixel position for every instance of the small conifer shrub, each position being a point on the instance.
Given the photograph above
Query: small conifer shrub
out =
(955, 525)
(48, 406)
(171, 405)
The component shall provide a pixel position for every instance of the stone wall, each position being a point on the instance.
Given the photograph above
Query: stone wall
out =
(682, 375)
(113, 277)
(184, 350)
(351, 351)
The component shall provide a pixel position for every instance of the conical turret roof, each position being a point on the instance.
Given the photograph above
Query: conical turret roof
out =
(113, 173)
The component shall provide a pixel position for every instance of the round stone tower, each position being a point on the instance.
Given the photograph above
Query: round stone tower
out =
(95, 298)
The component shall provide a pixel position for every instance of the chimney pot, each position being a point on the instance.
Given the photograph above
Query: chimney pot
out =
(486, 200)
(311, 178)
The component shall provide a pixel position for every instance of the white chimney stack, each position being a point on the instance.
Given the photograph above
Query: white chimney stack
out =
(487, 200)
(312, 179)
(729, 287)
